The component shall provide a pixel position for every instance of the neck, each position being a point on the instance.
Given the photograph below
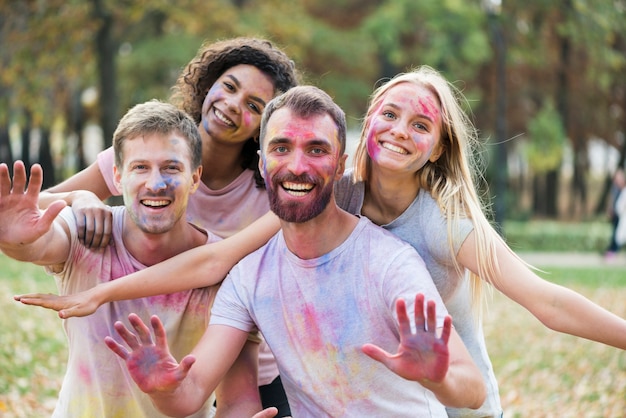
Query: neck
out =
(150, 249)
(320, 235)
(222, 162)
(388, 195)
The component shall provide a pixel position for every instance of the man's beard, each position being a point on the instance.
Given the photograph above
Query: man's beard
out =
(298, 212)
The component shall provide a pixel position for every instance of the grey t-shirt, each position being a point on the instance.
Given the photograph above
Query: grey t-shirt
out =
(424, 226)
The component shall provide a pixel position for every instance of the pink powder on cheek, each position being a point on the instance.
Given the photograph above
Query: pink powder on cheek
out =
(372, 145)
(247, 119)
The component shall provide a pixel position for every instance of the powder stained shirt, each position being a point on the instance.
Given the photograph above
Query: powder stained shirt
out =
(97, 383)
(424, 226)
(223, 212)
(316, 315)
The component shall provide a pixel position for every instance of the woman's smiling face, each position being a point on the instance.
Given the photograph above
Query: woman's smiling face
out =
(233, 106)
(405, 130)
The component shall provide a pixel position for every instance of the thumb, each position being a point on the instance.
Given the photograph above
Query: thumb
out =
(376, 353)
(48, 216)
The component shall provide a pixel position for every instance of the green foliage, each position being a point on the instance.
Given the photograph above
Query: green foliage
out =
(547, 138)
(553, 236)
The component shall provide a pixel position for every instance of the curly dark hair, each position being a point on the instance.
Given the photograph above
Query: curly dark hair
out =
(213, 59)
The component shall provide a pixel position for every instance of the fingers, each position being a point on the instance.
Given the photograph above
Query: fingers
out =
(143, 332)
(266, 413)
(94, 226)
(5, 180)
(159, 331)
(431, 310)
(35, 181)
(118, 349)
(447, 329)
(131, 339)
(45, 300)
(418, 311)
(19, 177)
(403, 318)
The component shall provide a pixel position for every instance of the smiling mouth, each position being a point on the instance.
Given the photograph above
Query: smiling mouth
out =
(297, 189)
(155, 203)
(222, 117)
(393, 148)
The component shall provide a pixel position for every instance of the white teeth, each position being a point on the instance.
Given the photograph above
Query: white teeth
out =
(297, 186)
(297, 189)
(155, 203)
(223, 118)
(393, 148)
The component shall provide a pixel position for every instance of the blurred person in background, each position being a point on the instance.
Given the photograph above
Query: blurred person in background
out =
(615, 212)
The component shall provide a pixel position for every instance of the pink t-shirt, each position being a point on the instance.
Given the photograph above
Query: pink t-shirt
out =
(223, 212)
(97, 383)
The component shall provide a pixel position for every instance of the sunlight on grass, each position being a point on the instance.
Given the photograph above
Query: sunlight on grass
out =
(33, 352)
(543, 373)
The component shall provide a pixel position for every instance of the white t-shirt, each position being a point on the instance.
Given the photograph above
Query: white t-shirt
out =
(424, 226)
(316, 315)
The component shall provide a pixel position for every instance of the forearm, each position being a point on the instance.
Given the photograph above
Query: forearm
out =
(569, 312)
(199, 267)
(47, 197)
(185, 401)
(238, 392)
(50, 248)
(463, 387)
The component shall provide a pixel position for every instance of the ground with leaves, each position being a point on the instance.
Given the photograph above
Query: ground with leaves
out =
(541, 373)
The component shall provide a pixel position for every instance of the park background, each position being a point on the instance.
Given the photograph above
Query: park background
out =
(546, 87)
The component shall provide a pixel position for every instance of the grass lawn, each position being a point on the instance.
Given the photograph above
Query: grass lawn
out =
(541, 373)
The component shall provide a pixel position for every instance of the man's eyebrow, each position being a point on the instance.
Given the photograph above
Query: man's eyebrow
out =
(238, 84)
(278, 140)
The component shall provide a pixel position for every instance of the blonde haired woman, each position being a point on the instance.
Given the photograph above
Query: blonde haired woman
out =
(414, 175)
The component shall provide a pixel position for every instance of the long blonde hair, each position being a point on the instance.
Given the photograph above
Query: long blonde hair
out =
(452, 178)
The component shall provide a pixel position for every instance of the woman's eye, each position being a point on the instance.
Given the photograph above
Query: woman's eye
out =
(389, 115)
(255, 108)
(229, 86)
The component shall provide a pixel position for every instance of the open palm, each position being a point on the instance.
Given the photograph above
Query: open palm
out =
(150, 364)
(421, 355)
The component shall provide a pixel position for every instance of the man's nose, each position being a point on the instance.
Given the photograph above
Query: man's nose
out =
(156, 182)
(298, 162)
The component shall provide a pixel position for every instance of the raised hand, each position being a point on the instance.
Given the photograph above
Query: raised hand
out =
(150, 363)
(421, 355)
(21, 221)
(78, 304)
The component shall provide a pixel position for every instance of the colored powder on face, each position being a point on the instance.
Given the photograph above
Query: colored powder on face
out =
(372, 148)
(247, 120)
(428, 107)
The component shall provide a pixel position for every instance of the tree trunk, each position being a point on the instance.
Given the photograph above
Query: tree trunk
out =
(6, 156)
(106, 51)
(45, 160)
(551, 194)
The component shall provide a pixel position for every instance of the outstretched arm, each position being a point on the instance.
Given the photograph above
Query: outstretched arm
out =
(557, 307)
(199, 267)
(27, 234)
(176, 389)
(85, 192)
(439, 363)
